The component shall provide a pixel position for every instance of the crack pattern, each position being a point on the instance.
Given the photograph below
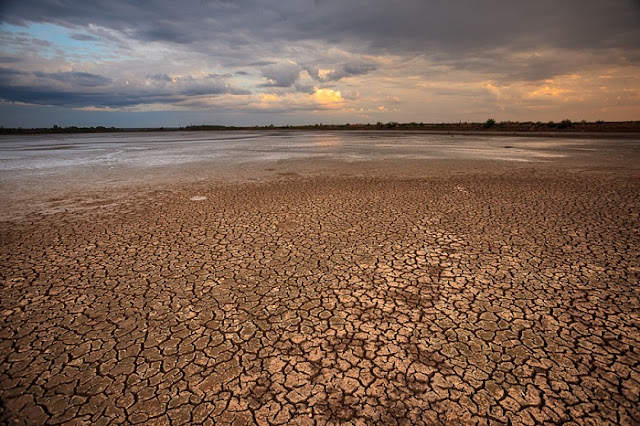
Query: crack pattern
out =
(330, 300)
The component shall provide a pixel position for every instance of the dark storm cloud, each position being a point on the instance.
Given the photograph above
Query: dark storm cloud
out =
(469, 24)
(304, 88)
(168, 32)
(160, 77)
(465, 34)
(75, 99)
(82, 79)
(492, 40)
(7, 74)
(282, 75)
(81, 89)
(342, 70)
(410, 25)
(9, 59)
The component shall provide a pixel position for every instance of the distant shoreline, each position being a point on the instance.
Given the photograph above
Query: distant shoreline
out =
(618, 129)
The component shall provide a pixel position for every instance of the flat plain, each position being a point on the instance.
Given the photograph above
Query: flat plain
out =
(424, 292)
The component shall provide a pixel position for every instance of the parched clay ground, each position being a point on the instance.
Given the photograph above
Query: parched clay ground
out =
(471, 297)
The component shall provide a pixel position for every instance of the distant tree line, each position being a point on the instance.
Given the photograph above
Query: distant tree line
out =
(57, 129)
(491, 124)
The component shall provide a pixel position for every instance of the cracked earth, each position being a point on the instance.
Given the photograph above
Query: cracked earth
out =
(506, 297)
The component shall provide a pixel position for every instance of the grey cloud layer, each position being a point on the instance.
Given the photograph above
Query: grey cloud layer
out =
(80, 89)
(406, 25)
(278, 40)
(84, 79)
(288, 74)
(283, 75)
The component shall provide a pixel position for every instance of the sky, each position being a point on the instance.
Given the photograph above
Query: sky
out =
(134, 63)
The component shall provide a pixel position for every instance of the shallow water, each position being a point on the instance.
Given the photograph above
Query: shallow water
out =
(53, 173)
(59, 154)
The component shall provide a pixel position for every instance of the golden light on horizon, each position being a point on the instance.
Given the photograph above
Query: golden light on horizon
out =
(269, 97)
(328, 97)
(546, 91)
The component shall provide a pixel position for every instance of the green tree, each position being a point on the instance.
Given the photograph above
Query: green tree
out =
(489, 123)
(565, 123)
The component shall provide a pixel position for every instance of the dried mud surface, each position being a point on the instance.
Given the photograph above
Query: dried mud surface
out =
(483, 297)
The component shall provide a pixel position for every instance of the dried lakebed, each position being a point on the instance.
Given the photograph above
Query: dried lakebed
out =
(479, 297)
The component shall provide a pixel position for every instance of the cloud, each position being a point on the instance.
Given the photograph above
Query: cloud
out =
(123, 53)
(281, 75)
(349, 70)
(82, 89)
(260, 63)
(410, 25)
(82, 79)
(6, 74)
(340, 71)
(83, 37)
(320, 99)
(328, 98)
(159, 77)
(9, 59)
(167, 31)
